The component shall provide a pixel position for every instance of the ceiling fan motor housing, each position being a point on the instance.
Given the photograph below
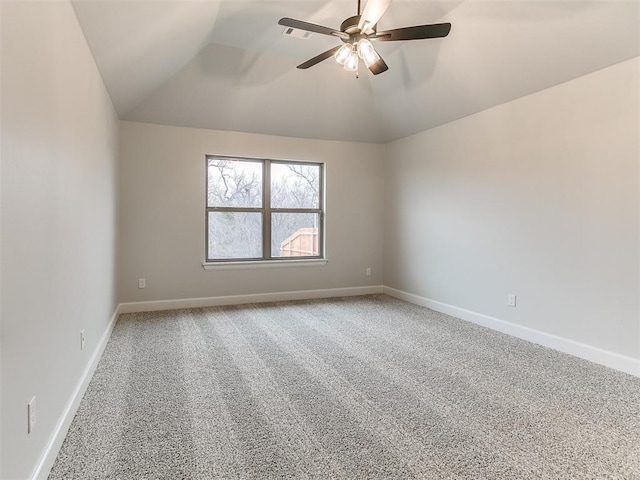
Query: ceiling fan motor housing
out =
(350, 26)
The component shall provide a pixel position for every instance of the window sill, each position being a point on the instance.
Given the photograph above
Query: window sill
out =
(264, 264)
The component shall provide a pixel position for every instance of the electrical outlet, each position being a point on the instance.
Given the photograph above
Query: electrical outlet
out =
(31, 415)
(81, 339)
(511, 300)
(142, 283)
(367, 272)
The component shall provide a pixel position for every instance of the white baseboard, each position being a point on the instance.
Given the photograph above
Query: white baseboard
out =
(44, 465)
(153, 306)
(594, 354)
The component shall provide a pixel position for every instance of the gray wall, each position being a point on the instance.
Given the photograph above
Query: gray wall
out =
(58, 218)
(539, 197)
(162, 193)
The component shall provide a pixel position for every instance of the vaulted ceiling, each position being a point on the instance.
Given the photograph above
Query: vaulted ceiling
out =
(225, 64)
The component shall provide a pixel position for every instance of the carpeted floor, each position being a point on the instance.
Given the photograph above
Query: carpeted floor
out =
(364, 387)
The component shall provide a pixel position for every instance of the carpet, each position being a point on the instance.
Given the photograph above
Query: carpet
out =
(360, 387)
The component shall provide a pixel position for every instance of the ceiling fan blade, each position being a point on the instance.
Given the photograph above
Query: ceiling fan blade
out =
(379, 67)
(419, 32)
(373, 11)
(311, 27)
(318, 58)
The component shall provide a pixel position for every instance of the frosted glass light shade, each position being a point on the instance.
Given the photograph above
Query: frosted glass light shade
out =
(352, 62)
(343, 53)
(367, 53)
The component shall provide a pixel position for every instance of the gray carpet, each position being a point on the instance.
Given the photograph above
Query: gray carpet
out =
(365, 387)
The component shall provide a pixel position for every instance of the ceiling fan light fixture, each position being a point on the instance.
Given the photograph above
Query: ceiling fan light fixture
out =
(367, 53)
(343, 53)
(352, 62)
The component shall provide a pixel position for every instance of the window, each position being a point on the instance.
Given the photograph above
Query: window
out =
(263, 209)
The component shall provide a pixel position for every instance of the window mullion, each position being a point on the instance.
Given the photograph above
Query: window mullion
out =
(297, 210)
(266, 210)
(234, 209)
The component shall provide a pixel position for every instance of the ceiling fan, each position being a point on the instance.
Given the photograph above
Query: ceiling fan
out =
(357, 32)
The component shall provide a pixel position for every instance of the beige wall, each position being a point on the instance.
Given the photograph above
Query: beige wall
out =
(58, 218)
(162, 196)
(539, 197)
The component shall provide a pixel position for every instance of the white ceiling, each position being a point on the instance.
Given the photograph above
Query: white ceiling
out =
(225, 65)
